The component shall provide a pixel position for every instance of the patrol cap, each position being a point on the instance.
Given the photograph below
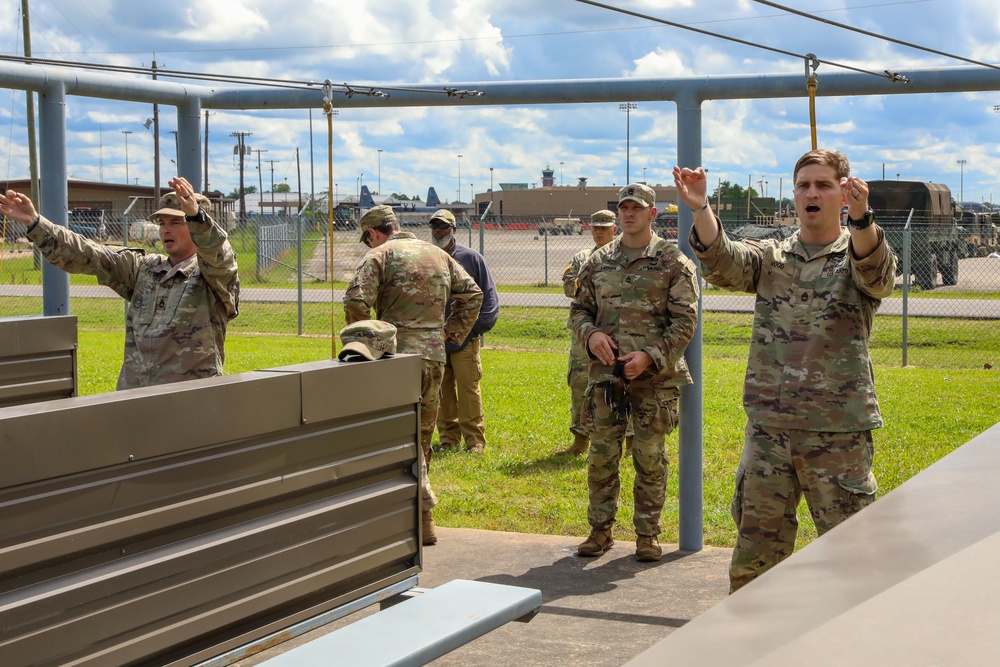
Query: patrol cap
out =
(170, 204)
(367, 339)
(603, 218)
(376, 217)
(638, 192)
(443, 216)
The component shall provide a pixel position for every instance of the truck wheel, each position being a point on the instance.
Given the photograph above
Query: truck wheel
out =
(926, 274)
(949, 268)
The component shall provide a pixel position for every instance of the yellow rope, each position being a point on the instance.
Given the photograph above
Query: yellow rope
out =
(811, 85)
(328, 108)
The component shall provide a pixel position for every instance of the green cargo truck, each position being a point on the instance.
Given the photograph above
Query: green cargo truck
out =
(935, 242)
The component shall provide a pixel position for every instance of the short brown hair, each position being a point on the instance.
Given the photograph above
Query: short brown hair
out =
(826, 158)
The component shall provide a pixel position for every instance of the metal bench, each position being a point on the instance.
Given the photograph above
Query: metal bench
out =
(419, 629)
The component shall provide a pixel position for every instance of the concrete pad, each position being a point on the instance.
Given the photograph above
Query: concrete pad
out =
(596, 611)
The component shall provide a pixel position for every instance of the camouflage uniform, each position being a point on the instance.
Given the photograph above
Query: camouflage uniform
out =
(809, 392)
(409, 282)
(177, 315)
(579, 360)
(647, 305)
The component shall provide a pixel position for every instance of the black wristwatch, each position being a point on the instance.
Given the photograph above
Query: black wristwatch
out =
(864, 223)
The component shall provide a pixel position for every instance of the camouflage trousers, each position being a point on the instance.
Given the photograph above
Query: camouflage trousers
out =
(832, 470)
(430, 387)
(653, 416)
(577, 377)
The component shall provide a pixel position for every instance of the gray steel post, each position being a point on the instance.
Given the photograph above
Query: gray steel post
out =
(55, 189)
(189, 140)
(690, 454)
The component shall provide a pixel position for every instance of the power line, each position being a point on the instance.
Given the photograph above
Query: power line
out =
(867, 33)
(346, 88)
(459, 40)
(801, 56)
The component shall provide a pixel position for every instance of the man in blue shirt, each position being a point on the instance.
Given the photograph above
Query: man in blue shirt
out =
(460, 412)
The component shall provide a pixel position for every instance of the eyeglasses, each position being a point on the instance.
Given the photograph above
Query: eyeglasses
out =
(440, 225)
(366, 238)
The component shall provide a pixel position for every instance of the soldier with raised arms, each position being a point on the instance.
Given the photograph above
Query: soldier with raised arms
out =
(179, 304)
(809, 391)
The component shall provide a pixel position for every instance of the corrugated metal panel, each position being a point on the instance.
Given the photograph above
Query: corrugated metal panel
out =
(37, 359)
(167, 525)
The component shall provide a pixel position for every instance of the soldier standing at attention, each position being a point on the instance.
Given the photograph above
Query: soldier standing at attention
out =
(809, 392)
(460, 414)
(602, 230)
(179, 303)
(408, 282)
(635, 312)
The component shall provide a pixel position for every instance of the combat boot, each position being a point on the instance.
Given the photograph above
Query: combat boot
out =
(627, 450)
(427, 528)
(647, 548)
(580, 445)
(599, 542)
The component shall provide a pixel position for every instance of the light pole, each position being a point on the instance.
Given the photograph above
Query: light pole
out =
(644, 175)
(961, 182)
(126, 133)
(472, 196)
(561, 163)
(379, 171)
(627, 107)
(492, 212)
(459, 177)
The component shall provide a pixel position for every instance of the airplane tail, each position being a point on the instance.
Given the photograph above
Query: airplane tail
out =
(366, 198)
(432, 197)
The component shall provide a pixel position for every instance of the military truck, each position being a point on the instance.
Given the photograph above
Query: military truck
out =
(978, 229)
(556, 226)
(935, 242)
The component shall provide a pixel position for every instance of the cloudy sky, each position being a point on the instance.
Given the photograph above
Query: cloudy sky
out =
(385, 42)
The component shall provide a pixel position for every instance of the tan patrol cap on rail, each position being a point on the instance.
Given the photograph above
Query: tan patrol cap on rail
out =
(367, 339)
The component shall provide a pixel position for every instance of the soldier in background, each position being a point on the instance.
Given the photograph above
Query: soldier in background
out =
(602, 230)
(635, 312)
(408, 282)
(460, 413)
(179, 304)
(809, 392)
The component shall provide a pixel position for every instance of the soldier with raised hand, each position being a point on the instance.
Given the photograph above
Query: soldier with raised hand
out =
(635, 311)
(180, 303)
(809, 391)
(602, 230)
(408, 283)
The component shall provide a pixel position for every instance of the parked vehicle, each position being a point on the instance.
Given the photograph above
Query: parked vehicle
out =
(936, 244)
(557, 226)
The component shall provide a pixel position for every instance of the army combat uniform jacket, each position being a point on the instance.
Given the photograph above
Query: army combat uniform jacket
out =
(809, 367)
(650, 304)
(175, 327)
(408, 282)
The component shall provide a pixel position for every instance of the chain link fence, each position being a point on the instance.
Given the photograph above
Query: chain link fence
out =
(945, 316)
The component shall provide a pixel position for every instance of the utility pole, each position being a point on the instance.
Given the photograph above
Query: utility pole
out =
(156, 143)
(242, 150)
(627, 107)
(271, 162)
(205, 189)
(126, 133)
(298, 169)
(961, 187)
(260, 180)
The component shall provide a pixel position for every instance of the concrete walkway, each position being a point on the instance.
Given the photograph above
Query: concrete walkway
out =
(597, 612)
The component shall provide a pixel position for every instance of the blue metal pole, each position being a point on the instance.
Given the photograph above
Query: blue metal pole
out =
(690, 454)
(54, 189)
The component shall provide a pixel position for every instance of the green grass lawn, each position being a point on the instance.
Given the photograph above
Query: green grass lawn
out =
(518, 485)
